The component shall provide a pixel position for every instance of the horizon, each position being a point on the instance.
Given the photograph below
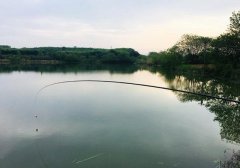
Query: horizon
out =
(139, 24)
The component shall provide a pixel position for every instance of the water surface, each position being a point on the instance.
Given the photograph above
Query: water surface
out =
(112, 125)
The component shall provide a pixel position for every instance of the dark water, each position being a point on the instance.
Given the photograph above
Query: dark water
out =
(99, 125)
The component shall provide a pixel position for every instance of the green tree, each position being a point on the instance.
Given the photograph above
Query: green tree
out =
(195, 49)
(227, 46)
(234, 28)
(227, 49)
(193, 44)
(165, 58)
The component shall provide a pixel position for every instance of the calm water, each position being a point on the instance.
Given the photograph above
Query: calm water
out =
(97, 125)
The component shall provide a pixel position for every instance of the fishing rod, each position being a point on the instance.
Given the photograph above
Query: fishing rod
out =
(143, 85)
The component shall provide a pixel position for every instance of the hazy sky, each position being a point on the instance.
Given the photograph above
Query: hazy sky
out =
(145, 25)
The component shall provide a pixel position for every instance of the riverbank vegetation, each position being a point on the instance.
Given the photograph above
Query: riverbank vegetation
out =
(198, 50)
(53, 55)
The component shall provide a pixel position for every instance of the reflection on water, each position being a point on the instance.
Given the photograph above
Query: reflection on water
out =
(231, 162)
(99, 125)
(69, 68)
(227, 113)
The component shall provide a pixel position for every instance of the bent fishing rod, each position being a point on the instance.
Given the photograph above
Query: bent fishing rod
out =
(143, 85)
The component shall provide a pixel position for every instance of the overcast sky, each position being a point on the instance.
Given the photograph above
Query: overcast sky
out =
(145, 25)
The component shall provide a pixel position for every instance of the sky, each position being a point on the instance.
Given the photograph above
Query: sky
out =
(145, 25)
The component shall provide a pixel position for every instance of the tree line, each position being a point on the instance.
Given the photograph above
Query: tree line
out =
(194, 49)
(68, 55)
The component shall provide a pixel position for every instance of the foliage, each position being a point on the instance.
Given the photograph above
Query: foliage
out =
(234, 28)
(227, 46)
(165, 58)
(223, 51)
(193, 44)
(227, 49)
(70, 55)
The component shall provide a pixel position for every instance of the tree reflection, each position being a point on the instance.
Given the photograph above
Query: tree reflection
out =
(70, 68)
(227, 113)
(232, 162)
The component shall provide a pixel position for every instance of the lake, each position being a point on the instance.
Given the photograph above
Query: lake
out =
(101, 125)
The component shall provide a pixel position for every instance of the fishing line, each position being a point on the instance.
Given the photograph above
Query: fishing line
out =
(37, 139)
(139, 84)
